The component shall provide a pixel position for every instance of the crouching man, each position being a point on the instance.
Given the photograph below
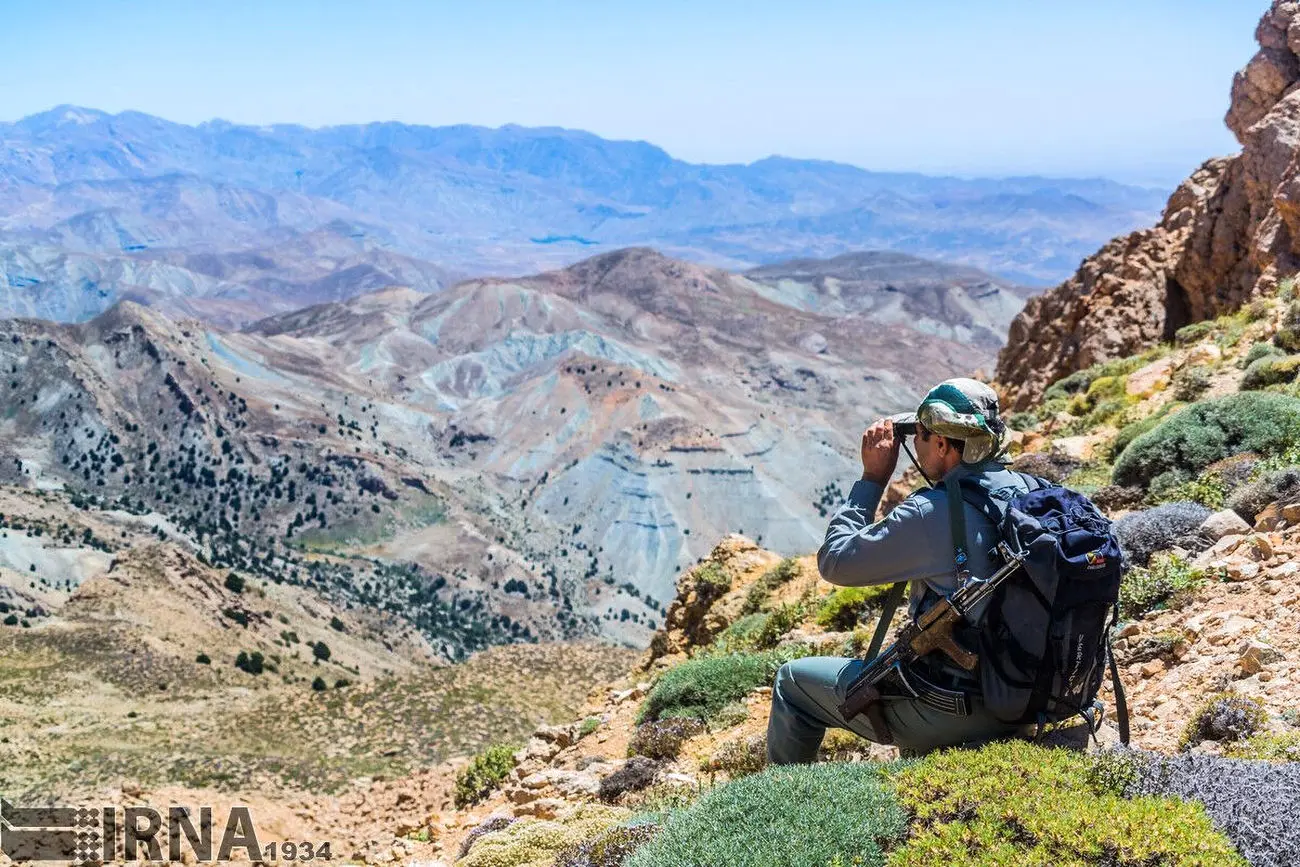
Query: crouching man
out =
(958, 433)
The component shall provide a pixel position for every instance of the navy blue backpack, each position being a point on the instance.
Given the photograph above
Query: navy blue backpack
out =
(1044, 638)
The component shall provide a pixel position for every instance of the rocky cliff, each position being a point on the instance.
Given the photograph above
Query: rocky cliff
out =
(1231, 231)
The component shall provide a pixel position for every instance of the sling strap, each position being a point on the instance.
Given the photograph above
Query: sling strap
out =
(892, 599)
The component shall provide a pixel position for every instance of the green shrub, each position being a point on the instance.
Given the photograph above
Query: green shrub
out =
(1226, 716)
(740, 635)
(1080, 381)
(483, 774)
(589, 725)
(1088, 477)
(1168, 579)
(1184, 444)
(845, 608)
(1133, 430)
(710, 581)
(761, 589)
(234, 583)
(1288, 336)
(841, 745)
(1270, 370)
(250, 662)
(320, 650)
(701, 687)
(1268, 747)
(1256, 310)
(778, 623)
(1022, 421)
(1192, 333)
(1208, 489)
(740, 757)
(1015, 803)
(1258, 351)
(203, 659)
(1190, 382)
(796, 815)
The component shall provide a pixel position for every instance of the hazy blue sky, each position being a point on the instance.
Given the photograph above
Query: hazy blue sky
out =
(1134, 90)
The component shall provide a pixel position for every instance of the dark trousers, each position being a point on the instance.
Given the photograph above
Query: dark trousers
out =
(808, 691)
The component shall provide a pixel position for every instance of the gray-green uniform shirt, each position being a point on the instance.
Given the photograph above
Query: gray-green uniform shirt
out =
(914, 541)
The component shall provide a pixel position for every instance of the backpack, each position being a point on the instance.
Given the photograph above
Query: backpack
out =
(1044, 637)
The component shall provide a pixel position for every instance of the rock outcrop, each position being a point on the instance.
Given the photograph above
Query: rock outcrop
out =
(1230, 232)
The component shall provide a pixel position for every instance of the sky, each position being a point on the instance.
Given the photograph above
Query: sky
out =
(1133, 90)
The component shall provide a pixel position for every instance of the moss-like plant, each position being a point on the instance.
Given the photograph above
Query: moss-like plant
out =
(791, 815)
(537, 842)
(1015, 803)
(701, 687)
(1268, 747)
(484, 773)
(710, 581)
(1288, 336)
(1190, 382)
(741, 635)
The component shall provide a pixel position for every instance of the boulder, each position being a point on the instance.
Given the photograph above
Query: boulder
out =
(1253, 655)
(1224, 523)
(1146, 381)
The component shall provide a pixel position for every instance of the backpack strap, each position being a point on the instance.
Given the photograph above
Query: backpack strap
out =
(1121, 701)
(957, 523)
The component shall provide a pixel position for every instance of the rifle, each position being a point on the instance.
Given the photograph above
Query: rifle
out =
(930, 632)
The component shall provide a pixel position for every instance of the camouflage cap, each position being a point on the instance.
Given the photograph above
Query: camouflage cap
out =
(967, 410)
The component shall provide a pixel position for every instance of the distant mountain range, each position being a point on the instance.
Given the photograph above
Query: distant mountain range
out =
(502, 458)
(230, 222)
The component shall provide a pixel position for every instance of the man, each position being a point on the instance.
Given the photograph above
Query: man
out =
(958, 433)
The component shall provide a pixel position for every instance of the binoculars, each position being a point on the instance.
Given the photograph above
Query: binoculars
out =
(904, 428)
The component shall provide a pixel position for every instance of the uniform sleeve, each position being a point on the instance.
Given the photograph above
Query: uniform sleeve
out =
(858, 551)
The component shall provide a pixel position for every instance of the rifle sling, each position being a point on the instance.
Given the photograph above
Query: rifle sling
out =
(892, 600)
(957, 520)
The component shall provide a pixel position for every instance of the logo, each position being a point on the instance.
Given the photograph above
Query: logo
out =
(1096, 559)
(100, 835)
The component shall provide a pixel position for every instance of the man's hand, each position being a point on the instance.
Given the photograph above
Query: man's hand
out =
(879, 452)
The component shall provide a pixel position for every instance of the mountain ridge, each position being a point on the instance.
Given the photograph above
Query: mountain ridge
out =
(477, 200)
